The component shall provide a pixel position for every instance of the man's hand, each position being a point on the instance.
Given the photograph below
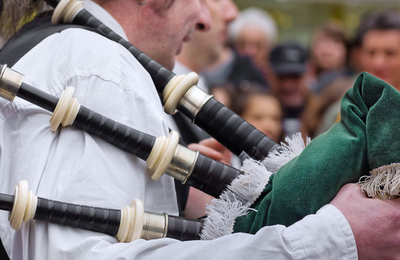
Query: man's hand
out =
(213, 149)
(375, 223)
(197, 200)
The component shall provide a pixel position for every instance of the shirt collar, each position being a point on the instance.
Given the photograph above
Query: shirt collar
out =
(101, 14)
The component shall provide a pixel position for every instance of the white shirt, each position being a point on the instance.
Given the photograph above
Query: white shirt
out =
(181, 69)
(72, 166)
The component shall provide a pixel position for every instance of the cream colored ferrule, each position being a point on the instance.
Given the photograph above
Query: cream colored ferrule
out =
(10, 82)
(25, 204)
(182, 164)
(66, 110)
(66, 11)
(193, 100)
(162, 153)
(155, 225)
(176, 89)
(132, 219)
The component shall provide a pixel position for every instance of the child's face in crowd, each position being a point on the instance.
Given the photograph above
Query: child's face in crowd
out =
(265, 114)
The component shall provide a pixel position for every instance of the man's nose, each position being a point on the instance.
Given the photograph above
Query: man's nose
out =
(204, 22)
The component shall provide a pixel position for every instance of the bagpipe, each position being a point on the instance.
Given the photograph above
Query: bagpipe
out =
(163, 154)
(128, 224)
(359, 143)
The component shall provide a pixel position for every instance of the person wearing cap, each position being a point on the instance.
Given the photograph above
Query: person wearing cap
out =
(288, 61)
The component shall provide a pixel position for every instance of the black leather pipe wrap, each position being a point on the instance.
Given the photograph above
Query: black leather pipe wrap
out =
(184, 229)
(210, 176)
(232, 131)
(6, 202)
(122, 136)
(90, 218)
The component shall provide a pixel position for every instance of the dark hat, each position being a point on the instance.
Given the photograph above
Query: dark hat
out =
(288, 58)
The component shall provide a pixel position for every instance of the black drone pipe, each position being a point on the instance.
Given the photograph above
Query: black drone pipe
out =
(127, 224)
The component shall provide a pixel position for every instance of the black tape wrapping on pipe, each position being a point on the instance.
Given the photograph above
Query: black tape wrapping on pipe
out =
(184, 229)
(126, 138)
(232, 131)
(90, 218)
(211, 177)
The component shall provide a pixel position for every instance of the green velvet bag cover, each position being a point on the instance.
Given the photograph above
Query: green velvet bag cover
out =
(365, 138)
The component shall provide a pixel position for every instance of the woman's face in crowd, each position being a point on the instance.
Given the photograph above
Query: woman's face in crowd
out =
(264, 113)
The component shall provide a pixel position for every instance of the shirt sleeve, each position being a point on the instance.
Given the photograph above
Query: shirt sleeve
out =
(325, 234)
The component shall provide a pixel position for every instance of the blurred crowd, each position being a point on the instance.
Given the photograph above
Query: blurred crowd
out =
(284, 87)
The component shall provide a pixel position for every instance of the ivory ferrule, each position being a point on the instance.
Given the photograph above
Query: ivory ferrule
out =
(154, 225)
(182, 163)
(10, 83)
(193, 100)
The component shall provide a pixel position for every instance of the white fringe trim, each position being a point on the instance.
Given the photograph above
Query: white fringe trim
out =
(383, 183)
(237, 199)
(292, 149)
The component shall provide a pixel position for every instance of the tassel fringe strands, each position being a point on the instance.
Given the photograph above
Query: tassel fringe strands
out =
(383, 183)
(237, 199)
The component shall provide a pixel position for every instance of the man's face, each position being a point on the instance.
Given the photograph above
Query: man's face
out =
(254, 43)
(380, 55)
(212, 42)
(290, 90)
(328, 53)
(162, 35)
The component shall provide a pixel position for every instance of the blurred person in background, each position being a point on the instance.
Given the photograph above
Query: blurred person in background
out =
(289, 66)
(328, 108)
(205, 48)
(199, 53)
(376, 50)
(243, 60)
(328, 55)
(380, 46)
(260, 108)
(254, 34)
(196, 55)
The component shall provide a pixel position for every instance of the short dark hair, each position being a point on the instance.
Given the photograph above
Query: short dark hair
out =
(242, 96)
(333, 31)
(383, 20)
